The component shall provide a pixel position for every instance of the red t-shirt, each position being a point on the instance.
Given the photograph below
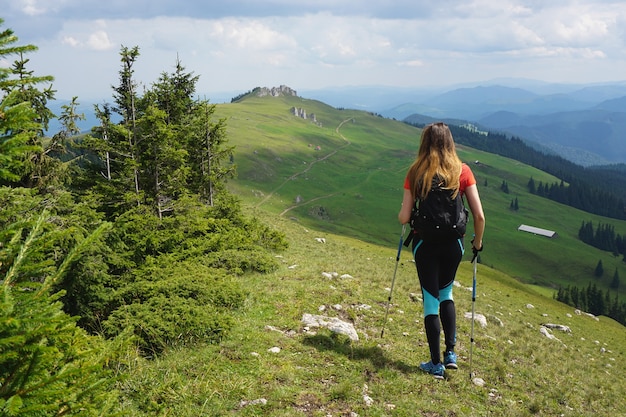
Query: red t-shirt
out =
(466, 179)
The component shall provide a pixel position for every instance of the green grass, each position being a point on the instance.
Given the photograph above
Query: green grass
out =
(353, 187)
(350, 193)
(324, 374)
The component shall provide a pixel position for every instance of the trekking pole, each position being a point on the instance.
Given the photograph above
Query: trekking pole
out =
(474, 261)
(393, 280)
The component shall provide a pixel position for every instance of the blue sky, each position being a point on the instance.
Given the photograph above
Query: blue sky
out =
(236, 45)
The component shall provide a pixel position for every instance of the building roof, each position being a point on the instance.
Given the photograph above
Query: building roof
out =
(536, 230)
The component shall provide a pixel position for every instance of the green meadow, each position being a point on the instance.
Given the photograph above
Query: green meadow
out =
(344, 175)
(334, 188)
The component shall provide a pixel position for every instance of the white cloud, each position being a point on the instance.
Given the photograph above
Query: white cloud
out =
(31, 7)
(99, 41)
(238, 44)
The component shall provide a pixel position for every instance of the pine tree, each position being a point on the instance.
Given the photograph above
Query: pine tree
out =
(531, 186)
(599, 271)
(208, 152)
(615, 281)
(23, 113)
(48, 366)
(124, 139)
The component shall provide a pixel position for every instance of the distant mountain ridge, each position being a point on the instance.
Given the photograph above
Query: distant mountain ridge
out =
(574, 125)
(585, 124)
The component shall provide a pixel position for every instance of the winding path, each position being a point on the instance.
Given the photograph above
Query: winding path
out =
(294, 176)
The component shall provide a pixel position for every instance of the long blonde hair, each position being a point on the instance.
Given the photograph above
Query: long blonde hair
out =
(436, 156)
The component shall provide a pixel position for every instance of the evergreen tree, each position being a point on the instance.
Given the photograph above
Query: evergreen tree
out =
(17, 128)
(599, 271)
(24, 114)
(615, 281)
(208, 152)
(532, 188)
(504, 186)
(48, 366)
(123, 140)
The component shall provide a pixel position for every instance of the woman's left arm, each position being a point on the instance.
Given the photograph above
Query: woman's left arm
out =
(404, 216)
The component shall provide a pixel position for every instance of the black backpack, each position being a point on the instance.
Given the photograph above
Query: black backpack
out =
(438, 217)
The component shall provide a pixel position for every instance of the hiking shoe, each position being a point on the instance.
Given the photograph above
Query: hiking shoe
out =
(435, 370)
(449, 360)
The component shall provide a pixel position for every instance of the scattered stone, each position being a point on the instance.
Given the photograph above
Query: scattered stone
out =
(327, 275)
(292, 267)
(546, 332)
(333, 324)
(273, 329)
(416, 298)
(479, 382)
(259, 401)
(320, 239)
(529, 306)
(560, 327)
(495, 320)
(369, 401)
(346, 276)
(255, 354)
(274, 349)
(479, 318)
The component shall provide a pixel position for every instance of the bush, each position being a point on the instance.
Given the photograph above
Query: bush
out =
(175, 303)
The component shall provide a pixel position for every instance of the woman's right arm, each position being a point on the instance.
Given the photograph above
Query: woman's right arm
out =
(478, 216)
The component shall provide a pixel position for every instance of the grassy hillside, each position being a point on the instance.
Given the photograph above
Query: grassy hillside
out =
(319, 373)
(349, 193)
(344, 175)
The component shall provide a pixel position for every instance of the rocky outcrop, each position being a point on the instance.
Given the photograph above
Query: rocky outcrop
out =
(283, 90)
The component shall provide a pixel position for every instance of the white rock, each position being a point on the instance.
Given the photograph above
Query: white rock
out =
(274, 349)
(333, 324)
(479, 381)
(260, 401)
(478, 318)
(560, 327)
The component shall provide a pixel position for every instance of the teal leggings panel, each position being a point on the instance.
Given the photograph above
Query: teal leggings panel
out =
(445, 293)
(431, 304)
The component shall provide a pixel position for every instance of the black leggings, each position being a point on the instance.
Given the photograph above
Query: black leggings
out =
(437, 263)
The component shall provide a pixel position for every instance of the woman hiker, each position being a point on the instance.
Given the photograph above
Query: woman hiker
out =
(437, 260)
